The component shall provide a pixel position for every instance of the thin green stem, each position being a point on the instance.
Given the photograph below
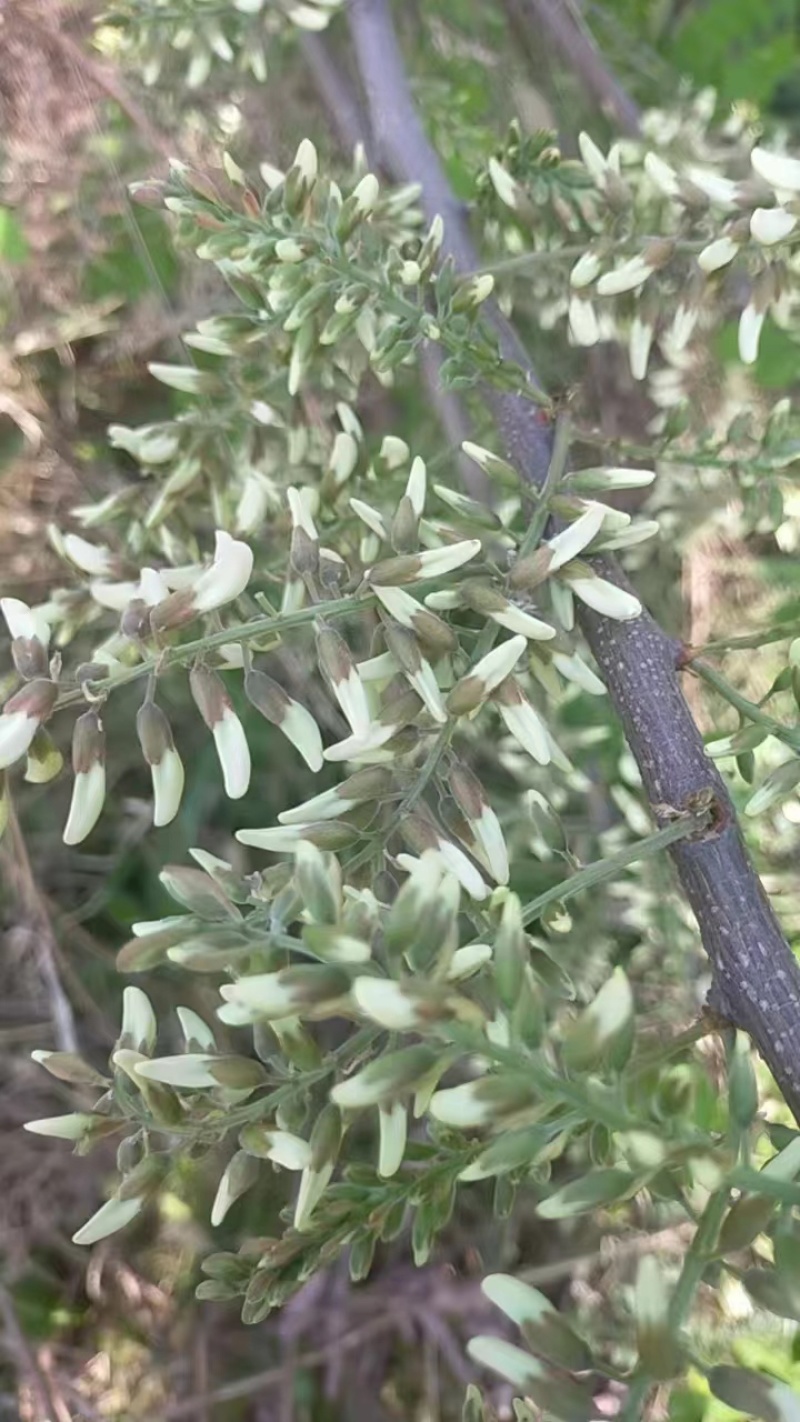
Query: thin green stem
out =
(751, 639)
(790, 735)
(604, 869)
(697, 1257)
(555, 474)
(244, 631)
(508, 266)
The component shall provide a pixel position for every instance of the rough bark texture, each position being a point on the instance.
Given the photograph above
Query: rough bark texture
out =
(756, 977)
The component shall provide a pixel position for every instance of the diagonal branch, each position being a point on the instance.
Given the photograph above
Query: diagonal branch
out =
(756, 977)
(560, 21)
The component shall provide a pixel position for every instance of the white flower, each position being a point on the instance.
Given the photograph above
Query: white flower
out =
(17, 730)
(139, 1025)
(227, 577)
(718, 254)
(583, 325)
(153, 587)
(491, 842)
(371, 517)
(515, 619)
(343, 457)
(585, 270)
(569, 543)
(468, 960)
(717, 188)
(233, 752)
(777, 169)
(24, 621)
(254, 501)
(89, 557)
(683, 324)
(750, 324)
(639, 343)
(423, 680)
(462, 869)
(525, 725)
(88, 797)
(416, 486)
(435, 562)
(606, 598)
(168, 778)
(366, 194)
(286, 1149)
(598, 165)
(386, 1003)
(306, 160)
(573, 669)
(662, 175)
(503, 183)
(393, 1130)
(299, 727)
(626, 277)
(114, 596)
(769, 225)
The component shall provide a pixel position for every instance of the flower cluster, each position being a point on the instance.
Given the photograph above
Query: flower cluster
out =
(154, 36)
(716, 235)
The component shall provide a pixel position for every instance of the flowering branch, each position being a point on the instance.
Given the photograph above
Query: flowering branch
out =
(756, 977)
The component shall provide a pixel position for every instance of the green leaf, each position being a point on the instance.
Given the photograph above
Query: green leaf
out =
(603, 1034)
(755, 1394)
(744, 1222)
(658, 1348)
(769, 1290)
(601, 1187)
(542, 1326)
(560, 1396)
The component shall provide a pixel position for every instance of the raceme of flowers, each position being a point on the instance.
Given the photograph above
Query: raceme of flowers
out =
(155, 35)
(426, 672)
(708, 236)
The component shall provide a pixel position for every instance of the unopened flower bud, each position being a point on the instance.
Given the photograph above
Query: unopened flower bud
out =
(523, 721)
(325, 1141)
(296, 723)
(388, 1078)
(372, 783)
(166, 766)
(337, 665)
(470, 797)
(89, 789)
(479, 683)
(22, 716)
(432, 563)
(216, 708)
(224, 581)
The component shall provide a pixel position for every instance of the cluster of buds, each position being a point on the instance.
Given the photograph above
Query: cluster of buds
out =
(760, 215)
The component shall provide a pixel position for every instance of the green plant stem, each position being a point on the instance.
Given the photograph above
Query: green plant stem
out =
(603, 869)
(555, 474)
(788, 734)
(637, 1395)
(508, 266)
(697, 1256)
(240, 632)
(750, 639)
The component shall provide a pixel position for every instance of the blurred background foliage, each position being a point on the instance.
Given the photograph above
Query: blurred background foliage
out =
(91, 289)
